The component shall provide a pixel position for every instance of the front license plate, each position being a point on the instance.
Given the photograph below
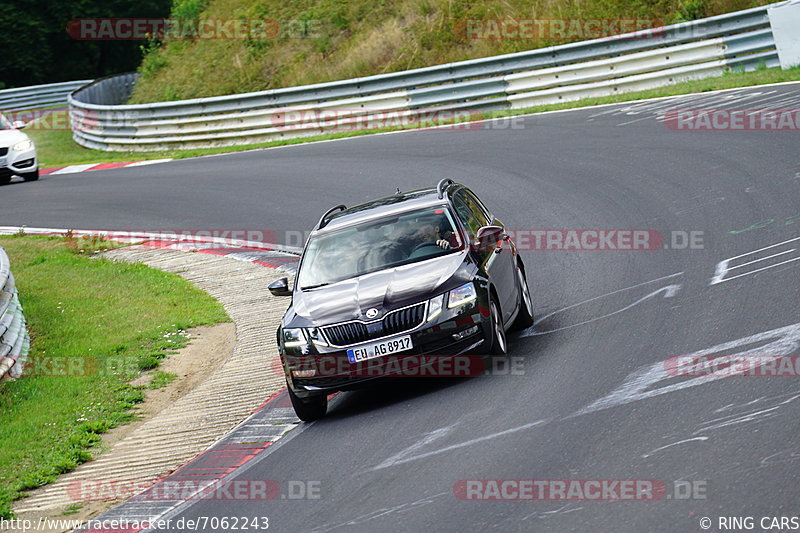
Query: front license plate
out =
(2, 161)
(379, 349)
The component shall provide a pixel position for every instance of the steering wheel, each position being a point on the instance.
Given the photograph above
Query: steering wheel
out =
(420, 249)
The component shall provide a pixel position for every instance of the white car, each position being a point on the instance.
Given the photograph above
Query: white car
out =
(17, 153)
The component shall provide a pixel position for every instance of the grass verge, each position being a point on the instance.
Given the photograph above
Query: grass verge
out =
(95, 325)
(56, 147)
(317, 41)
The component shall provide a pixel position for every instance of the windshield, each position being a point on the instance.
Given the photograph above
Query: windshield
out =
(5, 124)
(376, 245)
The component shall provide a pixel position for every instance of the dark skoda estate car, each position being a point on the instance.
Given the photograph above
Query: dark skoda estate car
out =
(419, 273)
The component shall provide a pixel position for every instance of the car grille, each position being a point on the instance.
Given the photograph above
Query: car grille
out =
(3, 150)
(394, 322)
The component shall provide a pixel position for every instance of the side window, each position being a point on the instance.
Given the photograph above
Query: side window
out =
(470, 212)
(477, 206)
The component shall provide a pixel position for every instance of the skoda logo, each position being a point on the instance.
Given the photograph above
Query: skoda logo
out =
(371, 313)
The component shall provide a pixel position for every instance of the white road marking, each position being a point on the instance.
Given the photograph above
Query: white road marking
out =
(407, 456)
(402, 454)
(148, 162)
(723, 267)
(74, 168)
(643, 382)
(733, 99)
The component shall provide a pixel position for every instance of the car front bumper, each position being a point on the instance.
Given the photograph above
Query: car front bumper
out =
(18, 162)
(449, 346)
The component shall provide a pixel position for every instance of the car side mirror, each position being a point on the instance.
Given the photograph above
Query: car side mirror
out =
(280, 287)
(488, 237)
(18, 124)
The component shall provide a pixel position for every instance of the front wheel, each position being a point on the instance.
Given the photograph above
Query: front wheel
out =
(525, 316)
(498, 345)
(309, 409)
(30, 176)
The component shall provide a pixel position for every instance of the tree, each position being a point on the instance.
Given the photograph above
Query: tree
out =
(37, 48)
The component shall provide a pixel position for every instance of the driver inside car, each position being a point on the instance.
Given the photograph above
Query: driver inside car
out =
(430, 234)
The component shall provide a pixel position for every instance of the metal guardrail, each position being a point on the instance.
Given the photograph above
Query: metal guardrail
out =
(601, 67)
(14, 339)
(38, 96)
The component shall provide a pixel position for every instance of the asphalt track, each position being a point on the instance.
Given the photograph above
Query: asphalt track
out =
(593, 401)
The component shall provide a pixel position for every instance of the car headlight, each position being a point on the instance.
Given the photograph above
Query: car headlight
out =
(462, 295)
(21, 146)
(435, 307)
(294, 337)
(316, 337)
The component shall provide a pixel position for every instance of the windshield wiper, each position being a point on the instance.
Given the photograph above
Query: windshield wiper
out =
(314, 286)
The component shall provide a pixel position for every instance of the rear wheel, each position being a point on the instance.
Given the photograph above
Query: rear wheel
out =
(498, 346)
(525, 316)
(30, 176)
(309, 409)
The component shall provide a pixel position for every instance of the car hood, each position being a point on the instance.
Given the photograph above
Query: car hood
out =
(11, 137)
(383, 290)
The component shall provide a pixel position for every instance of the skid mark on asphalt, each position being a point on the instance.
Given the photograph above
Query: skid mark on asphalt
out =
(564, 509)
(652, 452)
(757, 415)
(786, 456)
(378, 513)
(669, 291)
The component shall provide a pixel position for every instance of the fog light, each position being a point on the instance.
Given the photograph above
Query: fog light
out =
(466, 333)
(304, 373)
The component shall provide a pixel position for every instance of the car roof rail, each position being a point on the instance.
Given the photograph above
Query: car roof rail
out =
(323, 220)
(442, 186)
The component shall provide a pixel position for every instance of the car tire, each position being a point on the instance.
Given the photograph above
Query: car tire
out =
(30, 176)
(5, 180)
(525, 315)
(309, 409)
(499, 345)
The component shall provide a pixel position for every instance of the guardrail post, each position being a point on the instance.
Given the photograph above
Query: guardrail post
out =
(785, 22)
(14, 339)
